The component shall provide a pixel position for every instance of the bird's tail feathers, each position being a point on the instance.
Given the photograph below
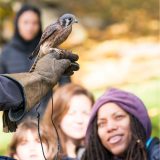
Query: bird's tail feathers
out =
(34, 64)
(34, 53)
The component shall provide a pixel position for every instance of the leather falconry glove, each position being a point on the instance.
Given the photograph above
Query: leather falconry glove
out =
(36, 84)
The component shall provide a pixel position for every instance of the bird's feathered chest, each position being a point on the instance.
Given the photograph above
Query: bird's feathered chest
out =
(58, 36)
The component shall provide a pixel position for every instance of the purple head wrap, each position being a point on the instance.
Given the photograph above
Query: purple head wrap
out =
(128, 102)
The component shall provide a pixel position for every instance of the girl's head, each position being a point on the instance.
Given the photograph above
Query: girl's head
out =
(26, 144)
(119, 125)
(71, 110)
(28, 23)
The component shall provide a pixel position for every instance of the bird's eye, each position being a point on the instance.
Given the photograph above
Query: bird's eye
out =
(70, 19)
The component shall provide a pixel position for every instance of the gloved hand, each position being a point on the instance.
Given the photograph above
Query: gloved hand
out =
(36, 84)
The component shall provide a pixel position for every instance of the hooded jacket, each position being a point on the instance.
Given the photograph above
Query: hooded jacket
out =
(14, 56)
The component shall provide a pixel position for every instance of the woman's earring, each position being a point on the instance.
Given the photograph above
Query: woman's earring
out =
(140, 143)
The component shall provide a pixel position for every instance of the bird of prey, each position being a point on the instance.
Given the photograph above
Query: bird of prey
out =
(55, 34)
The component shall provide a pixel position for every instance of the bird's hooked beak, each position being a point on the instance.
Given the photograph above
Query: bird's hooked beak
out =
(75, 21)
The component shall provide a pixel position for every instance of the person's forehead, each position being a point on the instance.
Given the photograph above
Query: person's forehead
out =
(80, 101)
(28, 15)
(109, 109)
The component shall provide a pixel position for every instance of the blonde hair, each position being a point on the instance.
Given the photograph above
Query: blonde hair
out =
(30, 124)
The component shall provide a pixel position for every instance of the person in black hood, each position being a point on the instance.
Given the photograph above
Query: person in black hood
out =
(28, 31)
(14, 56)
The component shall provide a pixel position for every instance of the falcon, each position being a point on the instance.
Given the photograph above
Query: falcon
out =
(55, 34)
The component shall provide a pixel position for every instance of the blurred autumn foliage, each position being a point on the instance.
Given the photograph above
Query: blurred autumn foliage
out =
(120, 35)
(117, 42)
(97, 13)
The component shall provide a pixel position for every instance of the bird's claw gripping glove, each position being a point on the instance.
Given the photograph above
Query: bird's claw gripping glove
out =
(36, 84)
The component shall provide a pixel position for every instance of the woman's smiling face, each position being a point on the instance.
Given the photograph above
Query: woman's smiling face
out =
(74, 123)
(114, 128)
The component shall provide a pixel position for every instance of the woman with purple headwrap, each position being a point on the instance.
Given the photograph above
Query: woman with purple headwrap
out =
(120, 129)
